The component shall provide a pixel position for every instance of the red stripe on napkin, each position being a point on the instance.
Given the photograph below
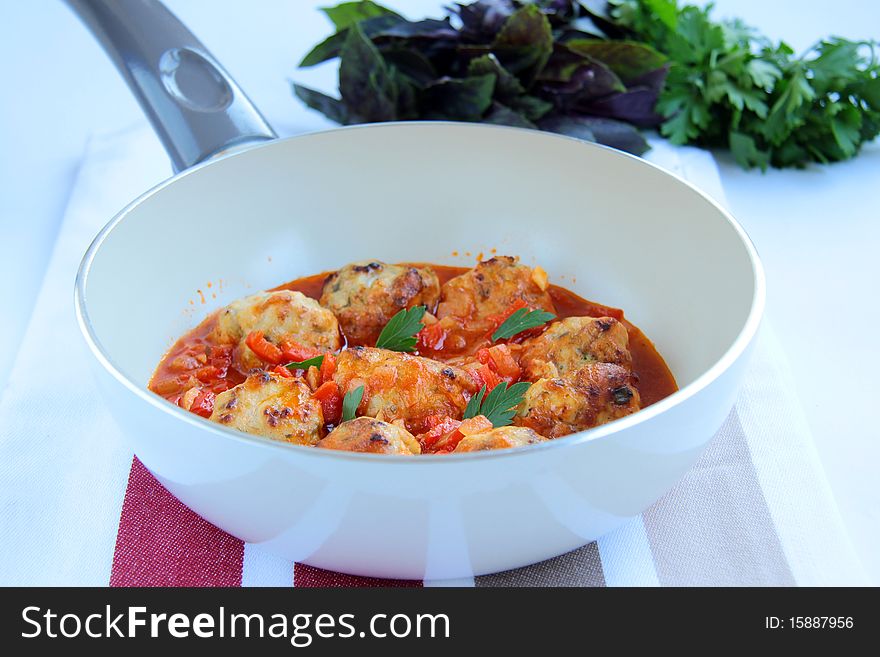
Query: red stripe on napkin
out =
(311, 577)
(160, 542)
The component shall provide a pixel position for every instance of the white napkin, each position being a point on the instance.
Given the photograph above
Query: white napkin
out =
(756, 509)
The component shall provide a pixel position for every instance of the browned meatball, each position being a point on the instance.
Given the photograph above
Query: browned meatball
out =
(270, 405)
(280, 315)
(499, 438)
(570, 344)
(367, 434)
(364, 296)
(403, 386)
(595, 394)
(471, 303)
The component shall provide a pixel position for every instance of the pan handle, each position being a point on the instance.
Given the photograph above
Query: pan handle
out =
(195, 107)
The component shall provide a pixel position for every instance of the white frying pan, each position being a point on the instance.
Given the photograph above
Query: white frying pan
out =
(607, 225)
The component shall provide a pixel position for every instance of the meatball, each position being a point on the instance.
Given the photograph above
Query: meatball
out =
(470, 304)
(595, 394)
(400, 386)
(367, 434)
(499, 438)
(280, 315)
(365, 295)
(570, 344)
(270, 405)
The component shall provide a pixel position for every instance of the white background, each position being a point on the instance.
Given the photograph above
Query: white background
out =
(818, 230)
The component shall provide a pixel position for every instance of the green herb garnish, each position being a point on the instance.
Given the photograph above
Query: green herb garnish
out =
(350, 403)
(499, 406)
(306, 364)
(399, 333)
(473, 406)
(520, 321)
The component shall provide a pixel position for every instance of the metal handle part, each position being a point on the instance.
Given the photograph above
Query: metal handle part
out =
(195, 107)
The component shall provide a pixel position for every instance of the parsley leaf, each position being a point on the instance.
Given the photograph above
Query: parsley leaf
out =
(473, 406)
(520, 321)
(350, 403)
(730, 87)
(305, 364)
(400, 331)
(746, 153)
(499, 406)
(763, 73)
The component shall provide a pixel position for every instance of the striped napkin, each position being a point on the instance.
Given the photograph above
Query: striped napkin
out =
(78, 508)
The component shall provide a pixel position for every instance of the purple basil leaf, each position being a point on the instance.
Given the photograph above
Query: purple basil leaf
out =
(532, 107)
(332, 45)
(561, 65)
(653, 80)
(599, 12)
(604, 131)
(410, 63)
(347, 14)
(568, 69)
(507, 85)
(570, 126)
(627, 59)
(502, 115)
(619, 135)
(462, 99)
(429, 28)
(524, 43)
(407, 97)
(333, 108)
(634, 106)
(384, 26)
(508, 90)
(325, 50)
(483, 18)
(590, 81)
(366, 83)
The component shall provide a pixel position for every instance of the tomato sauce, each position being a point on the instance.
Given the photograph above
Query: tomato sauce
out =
(196, 355)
